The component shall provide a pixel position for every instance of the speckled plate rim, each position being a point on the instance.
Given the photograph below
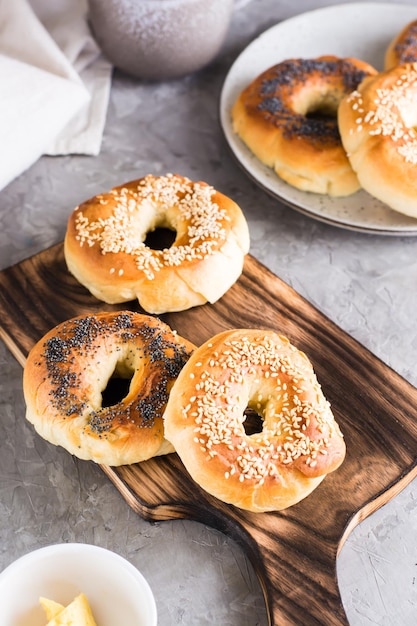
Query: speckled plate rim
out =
(360, 29)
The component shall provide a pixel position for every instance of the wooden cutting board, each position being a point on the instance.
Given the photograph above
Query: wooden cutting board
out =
(293, 552)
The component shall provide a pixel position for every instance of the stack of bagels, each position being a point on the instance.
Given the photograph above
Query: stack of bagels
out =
(333, 126)
(177, 396)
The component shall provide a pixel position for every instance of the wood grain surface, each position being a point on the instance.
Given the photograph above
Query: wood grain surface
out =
(294, 552)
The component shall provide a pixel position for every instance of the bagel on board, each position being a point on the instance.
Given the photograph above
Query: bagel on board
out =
(68, 370)
(106, 251)
(300, 441)
(403, 48)
(287, 117)
(377, 124)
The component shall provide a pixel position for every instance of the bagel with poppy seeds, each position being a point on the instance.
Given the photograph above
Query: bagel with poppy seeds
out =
(287, 116)
(105, 243)
(300, 441)
(69, 369)
(403, 48)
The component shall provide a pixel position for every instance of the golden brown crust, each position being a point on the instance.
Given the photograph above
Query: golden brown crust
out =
(377, 124)
(274, 117)
(69, 368)
(403, 48)
(105, 249)
(300, 442)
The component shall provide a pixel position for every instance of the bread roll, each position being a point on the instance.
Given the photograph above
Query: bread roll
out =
(69, 369)
(106, 251)
(377, 123)
(287, 117)
(299, 442)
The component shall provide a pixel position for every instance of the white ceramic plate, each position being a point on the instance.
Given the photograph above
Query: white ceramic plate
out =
(117, 592)
(362, 30)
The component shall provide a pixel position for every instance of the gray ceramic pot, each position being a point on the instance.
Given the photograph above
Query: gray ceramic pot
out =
(160, 39)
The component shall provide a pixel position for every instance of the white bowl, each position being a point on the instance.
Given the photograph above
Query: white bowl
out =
(117, 592)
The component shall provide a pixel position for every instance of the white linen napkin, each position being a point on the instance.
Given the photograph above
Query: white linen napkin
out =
(54, 81)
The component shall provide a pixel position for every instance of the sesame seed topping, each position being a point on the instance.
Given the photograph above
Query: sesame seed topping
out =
(172, 202)
(390, 111)
(288, 405)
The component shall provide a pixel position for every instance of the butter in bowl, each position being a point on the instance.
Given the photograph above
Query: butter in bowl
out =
(67, 583)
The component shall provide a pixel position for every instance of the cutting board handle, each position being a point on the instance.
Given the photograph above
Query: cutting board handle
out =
(295, 564)
(295, 561)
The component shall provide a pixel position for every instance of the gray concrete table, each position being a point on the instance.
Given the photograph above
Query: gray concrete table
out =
(365, 283)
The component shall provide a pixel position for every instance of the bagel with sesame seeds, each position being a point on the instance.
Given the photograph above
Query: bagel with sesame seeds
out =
(69, 369)
(377, 126)
(403, 48)
(300, 441)
(105, 244)
(287, 117)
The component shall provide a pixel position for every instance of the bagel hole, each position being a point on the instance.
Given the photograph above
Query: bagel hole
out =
(160, 238)
(116, 389)
(323, 109)
(253, 422)
(320, 115)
